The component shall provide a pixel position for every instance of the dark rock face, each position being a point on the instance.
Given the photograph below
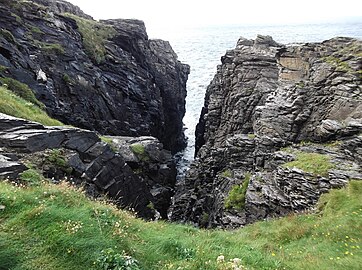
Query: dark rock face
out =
(148, 159)
(115, 81)
(266, 96)
(143, 180)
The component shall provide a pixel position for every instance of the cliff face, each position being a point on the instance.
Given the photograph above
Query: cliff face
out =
(274, 115)
(134, 172)
(105, 76)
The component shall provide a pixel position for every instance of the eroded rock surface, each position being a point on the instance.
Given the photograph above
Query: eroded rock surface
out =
(105, 76)
(134, 172)
(265, 97)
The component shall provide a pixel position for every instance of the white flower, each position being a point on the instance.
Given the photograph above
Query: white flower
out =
(236, 261)
(220, 259)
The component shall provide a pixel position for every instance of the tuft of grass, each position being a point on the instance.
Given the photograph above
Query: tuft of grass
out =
(94, 35)
(22, 90)
(57, 158)
(67, 79)
(236, 196)
(51, 48)
(314, 163)
(31, 177)
(3, 68)
(227, 173)
(110, 142)
(57, 227)
(251, 136)
(35, 29)
(139, 150)
(16, 106)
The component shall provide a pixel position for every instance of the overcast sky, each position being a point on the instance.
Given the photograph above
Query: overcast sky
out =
(168, 13)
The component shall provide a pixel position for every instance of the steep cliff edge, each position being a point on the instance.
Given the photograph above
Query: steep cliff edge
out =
(105, 76)
(280, 126)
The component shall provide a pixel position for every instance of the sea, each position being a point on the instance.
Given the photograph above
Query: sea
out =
(202, 48)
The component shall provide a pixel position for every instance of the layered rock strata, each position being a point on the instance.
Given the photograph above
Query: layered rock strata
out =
(105, 76)
(267, 106)
(134, 172)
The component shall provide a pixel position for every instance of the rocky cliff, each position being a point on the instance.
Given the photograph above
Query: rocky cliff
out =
(105, 76)
(135, 173)
(280, 126)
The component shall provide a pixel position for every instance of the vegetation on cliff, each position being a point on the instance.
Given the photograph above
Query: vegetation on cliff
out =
(314, 163)
(49, 226)
(16, 106)
(94, 36)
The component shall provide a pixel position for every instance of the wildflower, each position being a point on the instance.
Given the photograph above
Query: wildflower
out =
(236, 261)
(273, 254)
(220, 259)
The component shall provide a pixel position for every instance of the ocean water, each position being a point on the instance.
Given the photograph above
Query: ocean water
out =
(203, 47)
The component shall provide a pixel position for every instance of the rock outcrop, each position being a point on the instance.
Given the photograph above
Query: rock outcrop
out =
(134, 172)
(270, 116)
(105, 76)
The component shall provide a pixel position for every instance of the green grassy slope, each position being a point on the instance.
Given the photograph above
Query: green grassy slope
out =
(14, 105)
(56, 227)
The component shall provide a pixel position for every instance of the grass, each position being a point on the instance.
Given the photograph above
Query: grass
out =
(35, 29)
(227, 173)
(94, 36)
(314, 163)
(57, 159)
(56, 227)
(110, 142)
(31, 177)
(16, 106)
(52, 48)
(236, 196)
(140, 151)
(3, 68)
(22, 90)
(353, 49)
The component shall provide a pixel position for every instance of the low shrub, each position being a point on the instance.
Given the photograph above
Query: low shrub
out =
(236, 196)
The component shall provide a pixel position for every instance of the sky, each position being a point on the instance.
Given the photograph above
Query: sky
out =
(169, 14)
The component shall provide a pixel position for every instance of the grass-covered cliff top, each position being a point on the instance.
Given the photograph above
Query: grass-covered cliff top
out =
(51, 227)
